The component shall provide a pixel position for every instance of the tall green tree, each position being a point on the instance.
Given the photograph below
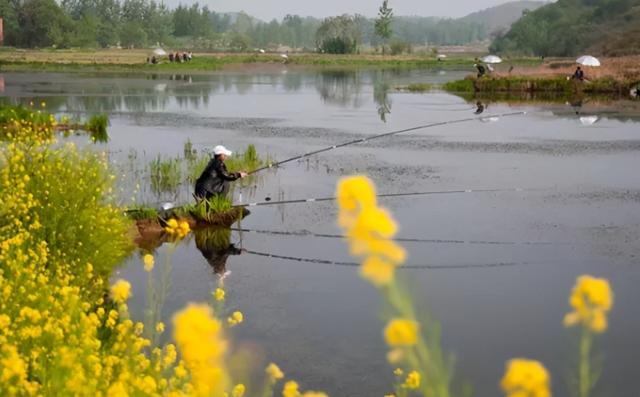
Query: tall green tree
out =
(338, 35)
(383, 23)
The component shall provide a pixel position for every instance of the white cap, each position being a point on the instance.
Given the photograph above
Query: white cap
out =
(221, 150)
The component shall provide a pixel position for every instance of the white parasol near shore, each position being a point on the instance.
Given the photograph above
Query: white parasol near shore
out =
(588, 60)
(492, 59)
(159, 52)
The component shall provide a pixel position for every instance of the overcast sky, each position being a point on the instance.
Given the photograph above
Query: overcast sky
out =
(269, 9)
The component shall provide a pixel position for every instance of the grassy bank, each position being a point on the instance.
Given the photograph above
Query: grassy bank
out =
(540, 84)
(135, 60)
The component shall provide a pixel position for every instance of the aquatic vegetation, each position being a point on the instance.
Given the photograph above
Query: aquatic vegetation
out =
(97, 127)
(165, 174)
(419, 87)
(138, 212)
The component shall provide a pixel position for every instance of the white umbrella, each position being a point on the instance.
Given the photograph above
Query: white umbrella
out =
(441, 56)
(588, 120)
(261, 51)
(159, 52)
(588, 60)
(492, 59)
(284, 56)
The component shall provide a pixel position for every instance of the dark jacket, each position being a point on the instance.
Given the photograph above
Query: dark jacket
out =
(215, 179)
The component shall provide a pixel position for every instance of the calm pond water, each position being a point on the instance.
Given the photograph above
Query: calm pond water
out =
(495, 269)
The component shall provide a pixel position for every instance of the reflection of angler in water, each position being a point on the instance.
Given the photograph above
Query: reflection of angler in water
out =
(215, 245)
(479, 108)
(576, 104)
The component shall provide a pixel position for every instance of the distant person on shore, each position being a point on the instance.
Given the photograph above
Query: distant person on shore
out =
(154, 60)
(190, 56)
(578, 74)
(215, 179)
(184, 57)
(170, 57)
(481, 69)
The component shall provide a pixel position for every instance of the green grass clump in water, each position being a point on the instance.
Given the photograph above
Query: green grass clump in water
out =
(203, 210)
(465, 85)
(165, 174)
(419, 87)
(140, 212)
(97, 127)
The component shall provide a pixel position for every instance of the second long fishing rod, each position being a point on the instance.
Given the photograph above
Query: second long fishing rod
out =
(385, 134)
(427, 193)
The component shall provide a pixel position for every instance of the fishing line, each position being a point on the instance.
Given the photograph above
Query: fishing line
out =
(408, 266)
(306, 233)
(361, 140)
(318, 199)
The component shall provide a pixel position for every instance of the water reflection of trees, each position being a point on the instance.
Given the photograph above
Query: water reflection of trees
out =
(340, 87)
(155, 92)
(381, 88)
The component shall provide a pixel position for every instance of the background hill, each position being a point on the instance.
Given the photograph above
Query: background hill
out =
(503, 16)
(572, 27)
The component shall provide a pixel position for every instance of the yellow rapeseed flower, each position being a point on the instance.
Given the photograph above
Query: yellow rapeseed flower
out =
(199, 338)
(401, 332)
(377, 271)
(218, 294)
(290, 389)
(525, 378)
(412, 381)
(238, 390)
(160, 327)
(591, 299)
(274, 372)
(120, 291)
(235, 318)
(148, 261)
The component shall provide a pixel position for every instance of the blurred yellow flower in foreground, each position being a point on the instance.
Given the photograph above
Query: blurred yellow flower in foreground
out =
(590, 299)
(218, 294)
(238, 390)
(199, 337)
(235, 318)
(401, 332)
(274, 372)
(148, 261)
(121, 291)
(525, 378)
(369, 229)
(290, 389)
(413, 380)
(177, 229)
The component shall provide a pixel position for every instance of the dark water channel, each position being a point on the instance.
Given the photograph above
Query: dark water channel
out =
(495, 269)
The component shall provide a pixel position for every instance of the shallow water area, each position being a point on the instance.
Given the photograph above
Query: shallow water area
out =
(494, 268)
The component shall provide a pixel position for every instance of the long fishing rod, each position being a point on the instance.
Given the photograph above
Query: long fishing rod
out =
(385, 134)
(332, 198)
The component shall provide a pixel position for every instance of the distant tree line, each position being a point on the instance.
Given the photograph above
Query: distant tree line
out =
(139, 23)
(566, 27)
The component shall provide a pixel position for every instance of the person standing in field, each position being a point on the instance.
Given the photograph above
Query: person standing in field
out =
(215, 180)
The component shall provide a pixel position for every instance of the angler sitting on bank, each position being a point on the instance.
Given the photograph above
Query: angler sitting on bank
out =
(215, 178)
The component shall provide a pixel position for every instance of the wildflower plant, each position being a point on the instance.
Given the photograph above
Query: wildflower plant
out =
(414, 346)
(591, 300)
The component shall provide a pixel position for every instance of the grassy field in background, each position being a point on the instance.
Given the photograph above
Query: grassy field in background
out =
(135, 60)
